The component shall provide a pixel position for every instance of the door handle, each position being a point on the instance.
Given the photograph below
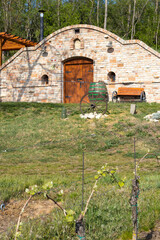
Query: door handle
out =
(68, 96)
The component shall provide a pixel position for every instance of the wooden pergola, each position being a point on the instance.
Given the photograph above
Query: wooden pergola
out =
(11, 42)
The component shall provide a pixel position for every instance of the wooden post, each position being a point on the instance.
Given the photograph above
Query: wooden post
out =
(133, 202)
(134, 199)
(0, 51)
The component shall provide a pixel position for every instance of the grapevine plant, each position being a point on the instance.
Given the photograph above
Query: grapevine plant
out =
(69, 214)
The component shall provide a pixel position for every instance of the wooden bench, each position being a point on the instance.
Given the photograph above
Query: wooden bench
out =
(129, 94)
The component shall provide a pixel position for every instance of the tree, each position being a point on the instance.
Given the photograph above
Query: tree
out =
(127, 18)
(97, 12)
(157, 20)
(58, 11)
(105, 15)
(133, 20)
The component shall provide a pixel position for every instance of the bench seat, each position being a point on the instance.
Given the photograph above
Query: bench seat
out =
(129, 94)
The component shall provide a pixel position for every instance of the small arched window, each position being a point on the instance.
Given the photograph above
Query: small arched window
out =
(112, 76)
(44, 79)
(77, 44)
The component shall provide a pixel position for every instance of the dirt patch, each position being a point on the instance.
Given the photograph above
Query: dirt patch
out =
(35, 208)
(152, 234)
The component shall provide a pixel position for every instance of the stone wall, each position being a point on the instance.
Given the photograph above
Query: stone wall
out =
(133, 62)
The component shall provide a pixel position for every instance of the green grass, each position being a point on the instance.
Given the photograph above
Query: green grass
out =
(37, 146)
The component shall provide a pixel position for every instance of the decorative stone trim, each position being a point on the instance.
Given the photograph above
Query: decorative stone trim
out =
(106, 32)
(73, 55)
(72, 41)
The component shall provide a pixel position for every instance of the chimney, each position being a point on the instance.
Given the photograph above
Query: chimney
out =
(41, 24)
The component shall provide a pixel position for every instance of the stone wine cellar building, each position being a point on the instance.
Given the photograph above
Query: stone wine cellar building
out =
(60, 68)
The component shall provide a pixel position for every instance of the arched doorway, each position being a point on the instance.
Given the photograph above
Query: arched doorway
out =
(78, 73)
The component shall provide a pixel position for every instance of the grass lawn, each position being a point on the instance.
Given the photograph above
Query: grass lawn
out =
(38, 146)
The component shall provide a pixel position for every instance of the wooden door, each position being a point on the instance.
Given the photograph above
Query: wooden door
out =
(78, 74)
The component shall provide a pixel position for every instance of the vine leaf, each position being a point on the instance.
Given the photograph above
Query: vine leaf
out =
(70, 216)
(121, 184)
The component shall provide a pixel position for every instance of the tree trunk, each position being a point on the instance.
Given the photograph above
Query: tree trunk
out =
(98, 13)
(28, 19)
(157, 33)
(80, 229)
(133, 20)
(156, 7)
(129, 19)
(158, 22)
(58, 13)
(105, 15)
(6, 8)
(90, 15)
(134, 23)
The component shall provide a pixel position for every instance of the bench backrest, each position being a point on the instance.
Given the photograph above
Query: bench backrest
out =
(125, 91)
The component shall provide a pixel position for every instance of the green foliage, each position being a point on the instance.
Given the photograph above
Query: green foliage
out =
(106, 171)
(70, 216)
(32, 190)
(21, 17)
(45, 189)
(47, 186)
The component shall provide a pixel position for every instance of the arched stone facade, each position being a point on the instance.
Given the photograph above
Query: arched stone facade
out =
(133, 62)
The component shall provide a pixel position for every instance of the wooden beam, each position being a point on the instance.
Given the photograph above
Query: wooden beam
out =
(3, 42)
(17, 39)
(0, 51)
(9, 45)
